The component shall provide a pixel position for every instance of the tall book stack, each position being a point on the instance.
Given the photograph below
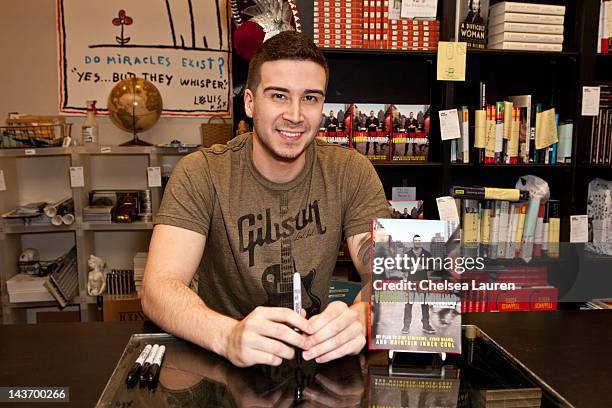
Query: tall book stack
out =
(338, 24)
(526, 26)
(604, 33)
(601, 130)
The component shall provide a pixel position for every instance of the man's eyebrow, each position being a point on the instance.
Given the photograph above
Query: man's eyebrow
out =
(281, 89)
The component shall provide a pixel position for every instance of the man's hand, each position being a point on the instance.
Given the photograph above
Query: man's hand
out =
(265, 336)
(336, 332)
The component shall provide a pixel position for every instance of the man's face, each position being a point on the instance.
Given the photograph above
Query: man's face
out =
(286, 107)
(411, 115)
(416, 242)
(405, 211)
(331, 114)
(371, 114)
(475, 6)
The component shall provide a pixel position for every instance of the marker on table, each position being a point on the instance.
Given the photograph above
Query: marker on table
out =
(156, 368)
(297, 307)
(134, 374)
(144, 373)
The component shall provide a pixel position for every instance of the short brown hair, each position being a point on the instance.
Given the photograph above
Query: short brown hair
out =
(288, 45)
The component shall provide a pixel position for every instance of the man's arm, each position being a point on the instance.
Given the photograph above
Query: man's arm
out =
(263, 337)
(340, 330)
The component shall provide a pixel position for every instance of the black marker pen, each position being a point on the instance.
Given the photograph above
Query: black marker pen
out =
(134, 374)
(156, 368)
(144, 373)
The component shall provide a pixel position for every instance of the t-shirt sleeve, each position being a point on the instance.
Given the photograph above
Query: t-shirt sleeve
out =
(189, 196)
(364, 196)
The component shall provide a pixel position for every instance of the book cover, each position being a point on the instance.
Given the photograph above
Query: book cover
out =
(409, 126)
(407, 210)
(495, 19)
(473, 16)
(407, 313)
(369, 135)
(333, 128)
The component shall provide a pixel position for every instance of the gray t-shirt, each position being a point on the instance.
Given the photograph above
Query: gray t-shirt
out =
(259, 232)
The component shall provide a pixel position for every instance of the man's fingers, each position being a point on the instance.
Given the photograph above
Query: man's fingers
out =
(260, 357)
(336, 341)
(271, 346)
(282, 315)
(352, 347)
(280, 332)
(332, 311)
(332, 328)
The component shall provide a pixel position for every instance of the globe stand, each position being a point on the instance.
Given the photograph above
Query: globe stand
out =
(136, 142)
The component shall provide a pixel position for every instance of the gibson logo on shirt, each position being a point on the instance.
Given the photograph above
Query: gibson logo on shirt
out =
(258, 229)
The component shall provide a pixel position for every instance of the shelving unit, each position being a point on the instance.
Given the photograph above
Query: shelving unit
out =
(22, 188)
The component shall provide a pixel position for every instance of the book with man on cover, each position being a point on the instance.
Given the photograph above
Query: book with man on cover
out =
(333, 127)
(407, 313)
(409, 126)
(369, 135)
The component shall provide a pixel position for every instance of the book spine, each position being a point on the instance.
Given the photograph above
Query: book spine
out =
(531, 8)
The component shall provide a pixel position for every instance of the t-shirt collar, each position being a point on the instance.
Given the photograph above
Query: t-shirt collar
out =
(279, 186)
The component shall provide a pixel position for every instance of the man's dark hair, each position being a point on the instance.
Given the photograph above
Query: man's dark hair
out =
(288, 45)
(417, 235)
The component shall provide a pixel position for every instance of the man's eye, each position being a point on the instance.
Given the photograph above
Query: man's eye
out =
(311, 98)
(279, 96)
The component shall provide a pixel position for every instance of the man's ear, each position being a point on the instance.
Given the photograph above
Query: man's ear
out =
(249, 99)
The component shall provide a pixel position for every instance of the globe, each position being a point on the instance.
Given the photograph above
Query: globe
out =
(134, 105)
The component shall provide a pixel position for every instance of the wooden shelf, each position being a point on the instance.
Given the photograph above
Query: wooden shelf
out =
(36, 152)
(35, 229)
(116, 226)
(114, 150)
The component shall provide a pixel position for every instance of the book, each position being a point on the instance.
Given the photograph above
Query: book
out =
(332, 128)
(409, 126)
(525, 46)
(416, 386)
(404, 304)
(369, 136)
(523, 103)
(504, 36)
(525, 28)
(531, 8)
(495, 19)
(473, 22)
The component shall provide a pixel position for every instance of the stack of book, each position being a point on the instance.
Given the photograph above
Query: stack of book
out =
(97, 213)
(28, 288)
(339, 24)
(140, 261)
(526, 26)
(604, 33)
(601, 130)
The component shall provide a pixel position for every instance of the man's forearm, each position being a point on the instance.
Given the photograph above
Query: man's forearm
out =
(178, 310)
(361, 305)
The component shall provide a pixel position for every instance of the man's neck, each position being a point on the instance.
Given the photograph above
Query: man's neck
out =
(274, 169)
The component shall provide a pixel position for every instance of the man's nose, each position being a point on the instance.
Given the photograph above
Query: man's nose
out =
(293, 113)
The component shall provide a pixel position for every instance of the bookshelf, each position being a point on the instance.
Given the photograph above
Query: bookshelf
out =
(556, 78)
(105, 239)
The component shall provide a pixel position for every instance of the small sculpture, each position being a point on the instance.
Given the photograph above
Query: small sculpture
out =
(96, 279)
(243, 127)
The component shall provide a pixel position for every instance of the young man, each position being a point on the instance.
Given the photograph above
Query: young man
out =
(245, 216)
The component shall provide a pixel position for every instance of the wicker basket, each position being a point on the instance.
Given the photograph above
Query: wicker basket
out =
(216, 133)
